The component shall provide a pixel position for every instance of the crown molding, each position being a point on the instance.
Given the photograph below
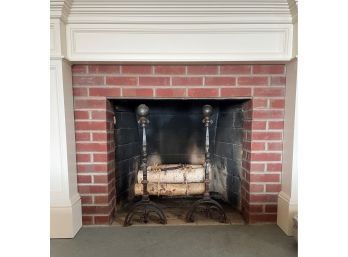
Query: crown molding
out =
(171, 11)
(60, 9)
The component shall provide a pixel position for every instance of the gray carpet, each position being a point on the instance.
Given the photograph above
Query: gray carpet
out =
(172, 241)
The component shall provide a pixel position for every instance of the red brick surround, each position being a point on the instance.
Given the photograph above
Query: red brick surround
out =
(264, 85)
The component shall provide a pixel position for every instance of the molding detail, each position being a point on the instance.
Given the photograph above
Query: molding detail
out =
(242, 42)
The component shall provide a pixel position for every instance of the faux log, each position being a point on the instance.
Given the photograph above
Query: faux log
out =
(171, 189)
(172, 173)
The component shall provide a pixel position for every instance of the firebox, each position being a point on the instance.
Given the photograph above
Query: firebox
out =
(176, 136)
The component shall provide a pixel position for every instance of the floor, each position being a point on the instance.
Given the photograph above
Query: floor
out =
(174, 241)
(175, 210)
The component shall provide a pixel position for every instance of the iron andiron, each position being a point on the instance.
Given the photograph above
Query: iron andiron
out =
(144, 208)
(206, 205)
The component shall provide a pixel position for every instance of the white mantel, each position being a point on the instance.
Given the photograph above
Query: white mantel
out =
(150, 31)
(169, 30)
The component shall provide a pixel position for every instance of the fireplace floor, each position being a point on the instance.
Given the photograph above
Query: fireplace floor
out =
(175, 210)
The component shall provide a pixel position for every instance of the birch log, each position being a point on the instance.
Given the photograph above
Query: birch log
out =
(173, 174)
(171, 189)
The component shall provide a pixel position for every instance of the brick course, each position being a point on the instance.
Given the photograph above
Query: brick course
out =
(263, 85)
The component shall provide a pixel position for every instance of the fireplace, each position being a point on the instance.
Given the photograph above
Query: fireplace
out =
(246, 135)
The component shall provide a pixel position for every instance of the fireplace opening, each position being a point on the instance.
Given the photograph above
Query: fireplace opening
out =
(176, 141)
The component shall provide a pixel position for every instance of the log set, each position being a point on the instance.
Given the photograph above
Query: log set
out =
(173, 173)
(166, 189)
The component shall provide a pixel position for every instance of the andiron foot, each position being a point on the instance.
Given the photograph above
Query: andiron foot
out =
(143, 210)
(207, 206)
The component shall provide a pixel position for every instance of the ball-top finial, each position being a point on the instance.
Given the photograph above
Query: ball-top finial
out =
(142, 110)
(207, 110)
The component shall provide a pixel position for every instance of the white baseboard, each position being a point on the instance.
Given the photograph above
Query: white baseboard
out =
(66, 221)
(286, 211)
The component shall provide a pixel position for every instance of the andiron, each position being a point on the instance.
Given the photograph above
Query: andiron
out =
(207, 205)
(144, 208)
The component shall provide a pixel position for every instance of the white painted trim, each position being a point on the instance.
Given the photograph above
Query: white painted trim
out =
(168, 30)
(66, 220)
(286, 211)
(208, 42)
(287, 199)
(66, 214)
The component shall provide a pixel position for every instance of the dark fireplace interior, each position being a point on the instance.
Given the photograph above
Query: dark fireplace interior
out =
(176, 135)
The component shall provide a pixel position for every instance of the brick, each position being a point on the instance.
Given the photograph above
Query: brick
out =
(277, 103)
(253, 81)
(91, 147)
(260, 103)
(278, 81)
(80, 91)
(137, 92)
(254, 167)
(269, 91)
(256, 188)
(266, 177)
(202, 69)
(268, 69)
(102, 115)
(106, 92)
(235, 92)
(92, 189)
(220, 81)
(82, 136)
(83, 157)
(92, 168)
(255, 208)
(87, 220)
(203, 92)
(275, 167)
(100, 179)
(79, 69)
(154, 81)
(271, 208)
(122, 81)
(87, 80)
(103, 68)
(275, 146)
(266, 136)
(268, 114)
(257, 146)
(273, 188)
(178, 92)
(101, 199)
(84, 178)
(255, 218)
(258, 125)
(100, 157)
(170, 69)
(102, 220)
(187, 81)
(93, 209)
(235, 69)
(265, 157)
(86, 199)
(89, 104)
(275, 124)
(263, 198)
(81, 115)
(136, 69)
(101, 136)
(90, 125)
